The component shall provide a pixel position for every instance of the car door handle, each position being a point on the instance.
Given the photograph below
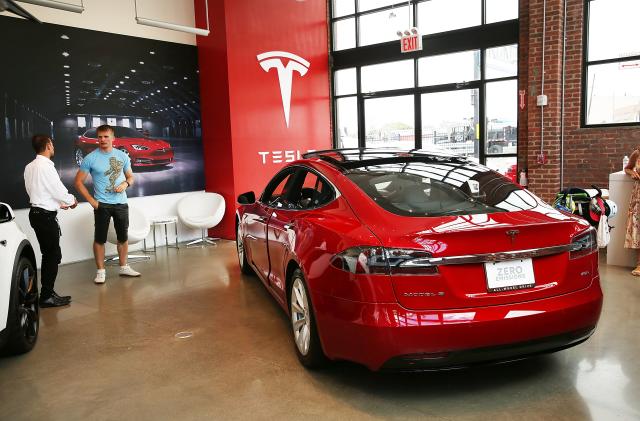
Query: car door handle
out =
(290, 226)
(3, 242)
(261, 219)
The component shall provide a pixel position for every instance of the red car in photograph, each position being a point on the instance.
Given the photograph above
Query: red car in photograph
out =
(416, 261)
(142, 151)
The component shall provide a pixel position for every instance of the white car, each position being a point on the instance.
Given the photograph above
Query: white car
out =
(19, 311)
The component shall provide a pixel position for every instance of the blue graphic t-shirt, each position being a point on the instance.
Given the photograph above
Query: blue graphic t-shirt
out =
(107, 171)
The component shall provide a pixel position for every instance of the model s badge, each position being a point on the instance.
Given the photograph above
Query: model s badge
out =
(277, 59)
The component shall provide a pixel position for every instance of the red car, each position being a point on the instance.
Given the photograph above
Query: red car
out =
(418, 261)
(142, 151)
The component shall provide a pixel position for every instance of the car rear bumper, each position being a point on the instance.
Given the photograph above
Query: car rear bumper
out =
(388, 336)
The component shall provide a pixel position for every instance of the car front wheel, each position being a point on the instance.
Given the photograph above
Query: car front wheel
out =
(242, 254)
(303, 324)
(24, 310)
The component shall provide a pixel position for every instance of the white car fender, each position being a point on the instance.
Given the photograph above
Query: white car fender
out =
(11, 238)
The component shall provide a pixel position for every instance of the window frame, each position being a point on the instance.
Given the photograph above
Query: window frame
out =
(480, 37)
(296, 172)
(585, 70)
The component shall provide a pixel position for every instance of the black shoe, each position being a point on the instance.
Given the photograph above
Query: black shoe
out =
(53, 301)
(62, 297)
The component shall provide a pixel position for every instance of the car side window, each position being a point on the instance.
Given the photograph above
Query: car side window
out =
(91, 134)
(277, 192)
(313, 192)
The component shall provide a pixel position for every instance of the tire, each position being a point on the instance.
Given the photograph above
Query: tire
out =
(79, 156)
(24, 312)
(242, 255)
(303, 323)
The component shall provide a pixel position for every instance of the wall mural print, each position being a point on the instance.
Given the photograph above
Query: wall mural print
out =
(64, 82)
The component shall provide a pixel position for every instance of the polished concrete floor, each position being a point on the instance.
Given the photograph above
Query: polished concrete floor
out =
(114, 355)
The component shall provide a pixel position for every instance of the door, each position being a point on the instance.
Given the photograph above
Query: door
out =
(256, 218)
(308, 191)
(255, 238)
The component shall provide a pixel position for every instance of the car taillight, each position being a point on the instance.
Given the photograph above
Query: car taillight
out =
(384, 261)
(583, 244)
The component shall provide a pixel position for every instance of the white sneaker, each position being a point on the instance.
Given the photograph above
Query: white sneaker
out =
(127, 271)
(101, 275)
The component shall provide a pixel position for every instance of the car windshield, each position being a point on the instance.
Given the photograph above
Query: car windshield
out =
(439, 188)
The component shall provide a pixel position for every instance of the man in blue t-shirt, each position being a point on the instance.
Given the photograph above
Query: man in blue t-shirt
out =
(111, 173)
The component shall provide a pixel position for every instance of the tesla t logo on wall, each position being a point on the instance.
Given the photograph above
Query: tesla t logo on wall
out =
(274, 59)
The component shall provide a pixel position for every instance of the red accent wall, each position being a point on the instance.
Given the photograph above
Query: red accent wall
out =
(245, 137)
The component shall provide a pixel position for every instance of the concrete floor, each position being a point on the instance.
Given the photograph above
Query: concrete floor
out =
(113, 355)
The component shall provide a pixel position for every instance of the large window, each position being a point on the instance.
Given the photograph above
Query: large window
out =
(611, 84)
(459, 94)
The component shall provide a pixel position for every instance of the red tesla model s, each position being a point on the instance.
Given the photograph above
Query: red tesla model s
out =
(418, 260)
(142, 151)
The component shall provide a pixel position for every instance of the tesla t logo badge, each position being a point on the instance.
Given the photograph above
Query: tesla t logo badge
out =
(512, 234)
(276, 59)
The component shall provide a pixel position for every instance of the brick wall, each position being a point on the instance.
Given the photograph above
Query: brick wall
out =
(590, 154)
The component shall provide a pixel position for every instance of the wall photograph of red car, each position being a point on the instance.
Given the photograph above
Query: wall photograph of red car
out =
(413, 260)
(143, 151)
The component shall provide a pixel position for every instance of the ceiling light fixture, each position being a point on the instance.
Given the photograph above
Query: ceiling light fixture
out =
(174, 26)
(66, 66)
(133, 70)
(152, 52)
(57, 5)
(126, 77)
(64, 53)
(64, 36)
(142, 62)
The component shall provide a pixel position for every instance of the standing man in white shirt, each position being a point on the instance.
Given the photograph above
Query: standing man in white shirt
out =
(47, 194)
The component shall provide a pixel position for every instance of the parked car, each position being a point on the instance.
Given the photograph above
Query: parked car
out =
(142, 151)
(19, 311)
(414, 260)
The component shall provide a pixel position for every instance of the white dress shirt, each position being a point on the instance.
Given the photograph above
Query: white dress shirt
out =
(43, 185)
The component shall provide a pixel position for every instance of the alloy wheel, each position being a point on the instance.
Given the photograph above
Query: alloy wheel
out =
(300, 318)
(240, 247)
(28, 318)
(79, 156)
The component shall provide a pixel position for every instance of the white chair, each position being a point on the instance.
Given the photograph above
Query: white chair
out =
(139, 227)
(202, 211)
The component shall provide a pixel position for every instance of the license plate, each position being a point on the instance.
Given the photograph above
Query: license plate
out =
(509, 275)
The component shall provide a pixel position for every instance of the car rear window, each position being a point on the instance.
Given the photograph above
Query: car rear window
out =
(437, 189)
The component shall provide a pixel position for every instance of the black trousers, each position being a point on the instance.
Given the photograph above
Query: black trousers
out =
(45, 224)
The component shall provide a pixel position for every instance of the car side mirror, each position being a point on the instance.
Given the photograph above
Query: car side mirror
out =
(6, 213)
(247, 198)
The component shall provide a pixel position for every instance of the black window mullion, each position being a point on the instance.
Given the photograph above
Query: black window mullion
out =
(357, 18)
(482, 112)
(360, 108)
(417, 107)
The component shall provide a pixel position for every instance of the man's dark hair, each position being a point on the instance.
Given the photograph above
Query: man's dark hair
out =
(105, 128)
(39, 142)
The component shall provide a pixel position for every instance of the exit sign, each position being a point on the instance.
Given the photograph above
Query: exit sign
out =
(410, 43)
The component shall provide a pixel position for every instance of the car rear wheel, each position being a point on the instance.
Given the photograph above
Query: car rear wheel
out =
(24, 312)
(303, 324)
(242, 256)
